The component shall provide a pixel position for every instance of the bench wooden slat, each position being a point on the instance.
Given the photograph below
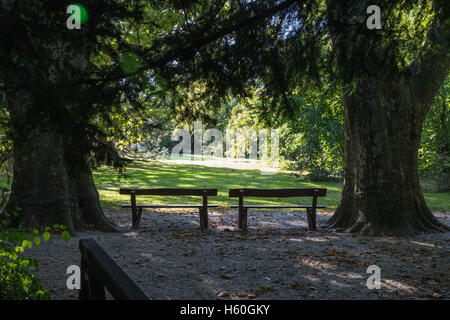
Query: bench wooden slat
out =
(136, 209)
(279, 193)
(169, 192)
(169, 205)
(276, 207)
(103, 271)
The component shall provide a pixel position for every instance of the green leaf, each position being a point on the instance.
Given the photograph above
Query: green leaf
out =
(27, 243)
(46, 235)
(12, 236)
(37, 240)
(66, 236)
(13, 256)
(25, 263)
(20, 236)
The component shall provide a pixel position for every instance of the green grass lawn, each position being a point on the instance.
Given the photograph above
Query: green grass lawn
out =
(154, 174)
(2, 179)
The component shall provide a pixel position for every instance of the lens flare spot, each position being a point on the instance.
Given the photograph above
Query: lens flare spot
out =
(84, 16)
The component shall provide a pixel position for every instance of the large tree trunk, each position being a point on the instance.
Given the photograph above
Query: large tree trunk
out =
(49, 119)
(48, 189)
(381, 193)
(385, 107)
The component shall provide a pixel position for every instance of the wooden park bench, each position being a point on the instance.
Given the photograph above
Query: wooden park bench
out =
(136, 209)
(100, 271)
(278, 193)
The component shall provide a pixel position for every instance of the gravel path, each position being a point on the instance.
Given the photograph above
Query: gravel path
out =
(277, 259)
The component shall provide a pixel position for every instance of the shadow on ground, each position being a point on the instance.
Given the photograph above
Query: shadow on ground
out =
(169, 258)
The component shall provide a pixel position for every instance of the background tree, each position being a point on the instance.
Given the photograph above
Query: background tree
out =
(434, 158)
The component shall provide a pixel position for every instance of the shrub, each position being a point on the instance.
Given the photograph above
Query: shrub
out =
(16, 280)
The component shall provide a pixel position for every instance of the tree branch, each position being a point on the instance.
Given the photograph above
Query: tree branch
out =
(431, 67)
(230, 26)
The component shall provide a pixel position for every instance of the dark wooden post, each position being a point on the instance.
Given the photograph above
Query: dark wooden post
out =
(244, 219)
(100, 271)
(138, 219)
(91, 287)
(83, 294)
(310, 219)
(313, 210)
(202, 217)
(205, 209)
(133, 209)
(241, 207)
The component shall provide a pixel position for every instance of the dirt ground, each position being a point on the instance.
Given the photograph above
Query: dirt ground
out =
(169, 258)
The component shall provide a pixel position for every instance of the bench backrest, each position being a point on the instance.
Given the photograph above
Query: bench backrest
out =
(170, 192)
(99, 270)
(279, 193)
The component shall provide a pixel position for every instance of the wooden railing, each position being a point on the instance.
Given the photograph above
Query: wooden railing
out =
(100, 271)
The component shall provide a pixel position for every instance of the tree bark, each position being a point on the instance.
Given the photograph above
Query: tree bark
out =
(50, 115)
(444, 147)
(381, 193)
(47, 189)
(384, 111)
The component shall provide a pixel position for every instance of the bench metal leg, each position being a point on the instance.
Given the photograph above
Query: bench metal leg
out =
(244, 219)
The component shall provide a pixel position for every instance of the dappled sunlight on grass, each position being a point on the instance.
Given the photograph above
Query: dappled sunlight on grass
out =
(438, 201)
(3, 179)
(155, 174)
